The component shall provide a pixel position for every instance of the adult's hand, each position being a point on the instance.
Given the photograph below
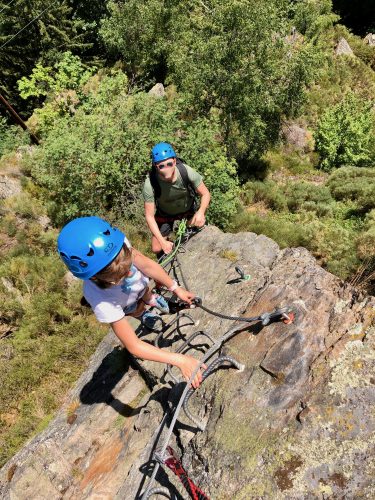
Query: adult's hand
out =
(167, 246)
(198, 219)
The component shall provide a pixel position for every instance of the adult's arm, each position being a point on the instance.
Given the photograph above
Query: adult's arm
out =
(143, 350)
(199, 217)
(151, 222)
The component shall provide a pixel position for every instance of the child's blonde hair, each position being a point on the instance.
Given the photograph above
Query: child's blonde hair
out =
(116, 269)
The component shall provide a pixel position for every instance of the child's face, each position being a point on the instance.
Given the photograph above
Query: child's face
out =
(115, 280)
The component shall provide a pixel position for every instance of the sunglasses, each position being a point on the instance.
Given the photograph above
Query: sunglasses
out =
(165, 165)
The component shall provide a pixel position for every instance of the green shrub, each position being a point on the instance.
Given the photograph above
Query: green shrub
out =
(11, 137)
(308, 197)
(49, 336)
(67, 73)
(285, 232)
(267, 192)
(85, 168)
(366, 240)
(357, 184)
(344, 134)
(330, 241)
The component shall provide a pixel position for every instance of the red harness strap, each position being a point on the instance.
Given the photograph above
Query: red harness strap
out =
(162, 219)
(175, 465)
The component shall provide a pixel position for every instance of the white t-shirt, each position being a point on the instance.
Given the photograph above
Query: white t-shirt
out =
(108, 304)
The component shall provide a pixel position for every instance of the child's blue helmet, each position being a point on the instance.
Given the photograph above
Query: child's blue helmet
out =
(162, 151)
(88, 244)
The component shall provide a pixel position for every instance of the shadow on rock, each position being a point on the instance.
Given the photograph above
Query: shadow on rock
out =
(99, 389)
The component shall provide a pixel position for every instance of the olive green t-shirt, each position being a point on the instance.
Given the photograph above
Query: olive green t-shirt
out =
(174, 198)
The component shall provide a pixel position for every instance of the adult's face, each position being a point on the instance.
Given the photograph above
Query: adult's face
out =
(166, 169)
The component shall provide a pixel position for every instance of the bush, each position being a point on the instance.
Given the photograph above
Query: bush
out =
(11, 137)
(48, 340)
(344, 134)
(357, 184)
(308, 197)
(85, 168)
(267, 192)
(285, 232)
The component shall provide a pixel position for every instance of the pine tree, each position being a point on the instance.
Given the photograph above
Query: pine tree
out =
(52, 30)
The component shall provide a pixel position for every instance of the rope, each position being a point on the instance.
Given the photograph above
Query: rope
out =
(265, 318)
(179, 235)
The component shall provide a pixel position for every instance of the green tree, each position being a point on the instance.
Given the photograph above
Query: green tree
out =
(86, 168)
(68, 73)
(52, 30)
(344, 134)
(237, 57)
(135, 31)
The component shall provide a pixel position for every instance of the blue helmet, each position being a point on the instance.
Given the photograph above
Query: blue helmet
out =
(88, 244)
(162, 151)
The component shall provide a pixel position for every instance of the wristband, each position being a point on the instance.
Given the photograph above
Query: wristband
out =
(174, 286)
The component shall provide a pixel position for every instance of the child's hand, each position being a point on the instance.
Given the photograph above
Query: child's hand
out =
(184, 295)
(187, 365)
(167, 246)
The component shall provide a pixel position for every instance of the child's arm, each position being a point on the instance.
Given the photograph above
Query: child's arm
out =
(153, 270)
(143, 350)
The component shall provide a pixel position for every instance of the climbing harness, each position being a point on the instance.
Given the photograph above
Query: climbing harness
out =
(164, 454)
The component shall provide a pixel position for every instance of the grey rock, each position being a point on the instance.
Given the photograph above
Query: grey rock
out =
(297, 422)
(157, 90)
(296, 136)
(9, 186)
(343, 48)
(370, 39)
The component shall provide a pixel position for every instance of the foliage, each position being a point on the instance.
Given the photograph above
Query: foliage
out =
(356, 184)
(226, 55)
(11, 137)
(136, 30)
(267, 192)
(86, 168)
(234, 56)
(312, 18)
(331, 242)
(366, 241)
(67, 73)
(54, 31)
(343, 136)
(46, 337)
(308, 197)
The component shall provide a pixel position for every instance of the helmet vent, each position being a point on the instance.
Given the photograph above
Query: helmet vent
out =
(91, 252)
(107, 232)
(83, 263)
(74, 257)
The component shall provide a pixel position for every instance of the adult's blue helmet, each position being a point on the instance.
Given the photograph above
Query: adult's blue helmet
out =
(88, 244)
(162, 151)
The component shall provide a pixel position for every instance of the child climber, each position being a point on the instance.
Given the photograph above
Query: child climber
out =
(116, 285)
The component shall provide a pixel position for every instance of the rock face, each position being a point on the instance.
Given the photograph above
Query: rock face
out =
(297, 422)
(9, 186)
(343, 48)
(370, 39)
(297, 137)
